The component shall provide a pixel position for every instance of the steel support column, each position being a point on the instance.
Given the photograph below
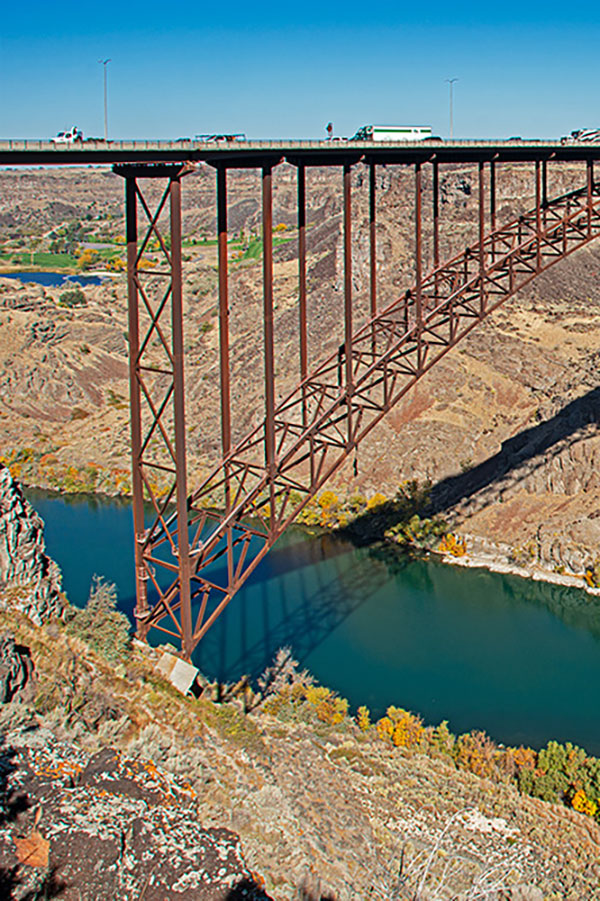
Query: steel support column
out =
(267, 223)
(590, 189)
(224, 366)
(436, 216)
(141, 578)
(419, 262)
(348, 294)
(157, 399)
(183, 545)
(436, 223)
(538, 216)
(302, 284)
(493, 207)
(482, 296)
(544, 190)
(224, 316)
(372, 242)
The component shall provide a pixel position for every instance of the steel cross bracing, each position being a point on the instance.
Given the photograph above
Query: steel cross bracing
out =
(265, 480)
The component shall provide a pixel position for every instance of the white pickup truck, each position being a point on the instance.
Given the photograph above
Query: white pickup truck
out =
(68, 137)
(583, 136)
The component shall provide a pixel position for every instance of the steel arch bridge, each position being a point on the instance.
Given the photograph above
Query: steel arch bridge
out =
(192, 556)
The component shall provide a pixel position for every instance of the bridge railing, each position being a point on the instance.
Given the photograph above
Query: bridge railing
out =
(47, 144)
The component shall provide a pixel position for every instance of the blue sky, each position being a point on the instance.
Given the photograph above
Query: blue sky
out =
(284, 70)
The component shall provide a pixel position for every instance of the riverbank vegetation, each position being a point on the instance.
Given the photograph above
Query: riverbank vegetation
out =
(401, 519)
(42, 468)
(560, 773)
(65, 651)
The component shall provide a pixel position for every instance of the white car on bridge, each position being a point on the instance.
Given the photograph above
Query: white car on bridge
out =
(68, 137)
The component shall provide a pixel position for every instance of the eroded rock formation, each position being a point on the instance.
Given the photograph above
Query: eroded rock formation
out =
(29, 579)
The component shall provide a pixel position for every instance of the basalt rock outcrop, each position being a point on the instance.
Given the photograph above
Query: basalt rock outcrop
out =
(102, 828)
(16, 670)
(29, 579)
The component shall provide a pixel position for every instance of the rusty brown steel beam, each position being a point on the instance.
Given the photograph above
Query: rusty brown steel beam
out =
(590, 189)
(436, 215)
(224, 367)
(224, 363)
(538, 214)
(436, 220)
(135, 403)
(481, 204)
(348, 295)
(267, 227)
(419, 259)
(493, 204)
(372, 241)
(544, 187)
(302, 310)
(157, 398)
(183, 547)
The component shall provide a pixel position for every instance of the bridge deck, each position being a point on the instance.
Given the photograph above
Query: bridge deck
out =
(242, 154)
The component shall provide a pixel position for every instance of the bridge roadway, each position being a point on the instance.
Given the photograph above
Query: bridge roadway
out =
(249, 154)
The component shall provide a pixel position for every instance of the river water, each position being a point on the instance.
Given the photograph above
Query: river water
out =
(518, 658)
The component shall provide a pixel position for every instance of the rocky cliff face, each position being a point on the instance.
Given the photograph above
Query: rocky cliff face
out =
(29, 579)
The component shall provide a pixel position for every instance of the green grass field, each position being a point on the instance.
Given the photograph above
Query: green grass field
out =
(47, 260)
(57, 261)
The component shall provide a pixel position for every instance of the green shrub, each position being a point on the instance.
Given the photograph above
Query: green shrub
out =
(73, 298)
(101, 625)
(561, 771)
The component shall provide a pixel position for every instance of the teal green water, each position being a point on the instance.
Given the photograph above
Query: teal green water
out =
(517, 658)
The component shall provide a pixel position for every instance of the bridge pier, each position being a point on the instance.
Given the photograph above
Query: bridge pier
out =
(158, 428)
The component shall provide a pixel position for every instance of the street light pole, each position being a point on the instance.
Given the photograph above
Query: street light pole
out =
(451, 81)
(105, 62)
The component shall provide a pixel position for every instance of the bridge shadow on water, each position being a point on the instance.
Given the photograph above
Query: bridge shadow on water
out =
(302, 591)
(300, 610)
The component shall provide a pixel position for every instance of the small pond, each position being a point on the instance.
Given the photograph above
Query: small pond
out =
(51, 279)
